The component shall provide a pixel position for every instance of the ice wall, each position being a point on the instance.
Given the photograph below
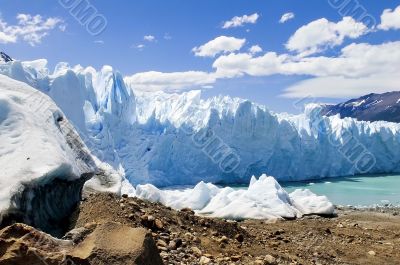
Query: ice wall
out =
(171, 139)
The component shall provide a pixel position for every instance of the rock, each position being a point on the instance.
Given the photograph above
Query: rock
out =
(236, 258)
(147, 221)
(196, 251)
(178, 242)
(159, 224)
(204, 260)
(371, 253)
(125, 196)
(161, 243)
(109, 243)
(151, 218)
(187, 210)
(224, 240)
(239, 238)
(77, 234)
(270, 260)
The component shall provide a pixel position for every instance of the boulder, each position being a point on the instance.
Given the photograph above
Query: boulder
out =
(109, 243)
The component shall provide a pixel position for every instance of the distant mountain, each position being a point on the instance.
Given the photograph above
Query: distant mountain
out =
(5, 58)
(372, 107)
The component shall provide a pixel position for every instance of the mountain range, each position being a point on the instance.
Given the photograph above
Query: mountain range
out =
(371, 107)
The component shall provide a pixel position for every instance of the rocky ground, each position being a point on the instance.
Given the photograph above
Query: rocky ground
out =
(368, 236)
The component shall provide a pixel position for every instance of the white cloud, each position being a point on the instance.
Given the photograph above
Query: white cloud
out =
(140, 47)
(170, 82)
(359, 69)
(221, 44)
(234, 65)
(355, 60)
(341, 87)
(99, 41)
(31, 29)
(240, 21)
(286, 17)
(390, 19)
(149, 38)
(321, 34)
(255, 49)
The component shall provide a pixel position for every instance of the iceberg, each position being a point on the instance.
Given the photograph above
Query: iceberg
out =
(263, 199)
(181, 139)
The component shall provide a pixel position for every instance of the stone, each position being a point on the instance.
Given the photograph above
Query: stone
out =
(196, 251)
(239, 238)
(236, 258)
(204, 260)
(109, 243)
(224, 240)
(371, 253)
(269, 260)
(159, 224)
(161, 243)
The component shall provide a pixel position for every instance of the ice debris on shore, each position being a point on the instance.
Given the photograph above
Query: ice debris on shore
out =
(263, 199)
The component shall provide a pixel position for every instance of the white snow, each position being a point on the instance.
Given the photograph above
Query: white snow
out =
(182, 139)
(37, 142)
(263, 199)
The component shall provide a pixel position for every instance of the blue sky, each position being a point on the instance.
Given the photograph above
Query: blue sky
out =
(179, 26)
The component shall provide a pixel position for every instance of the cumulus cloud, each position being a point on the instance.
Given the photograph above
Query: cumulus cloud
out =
(286, 17)
(221, 44)
(240, 21)
(149, 38)
(390, 19)
(356, 66)
(31, 29)
(255, 49)
(358, 69)
(355, 60)
(321, 34)
(170, 82)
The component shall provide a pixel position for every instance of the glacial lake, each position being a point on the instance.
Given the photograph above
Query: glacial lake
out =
(356, 191)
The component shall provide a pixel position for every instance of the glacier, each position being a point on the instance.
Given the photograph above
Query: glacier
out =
(45, 166)
(181, 139)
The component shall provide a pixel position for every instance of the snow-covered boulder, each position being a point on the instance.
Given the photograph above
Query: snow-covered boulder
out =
(43, 162)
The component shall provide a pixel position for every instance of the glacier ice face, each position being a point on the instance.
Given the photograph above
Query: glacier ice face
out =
(263, 199)
(170, 139)
(44, 164)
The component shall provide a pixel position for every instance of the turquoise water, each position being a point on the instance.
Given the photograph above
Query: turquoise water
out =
(356, 191)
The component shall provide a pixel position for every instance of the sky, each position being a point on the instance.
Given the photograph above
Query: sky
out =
(277, 53)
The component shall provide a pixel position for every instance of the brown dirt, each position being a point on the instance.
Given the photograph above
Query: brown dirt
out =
(354, 237)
